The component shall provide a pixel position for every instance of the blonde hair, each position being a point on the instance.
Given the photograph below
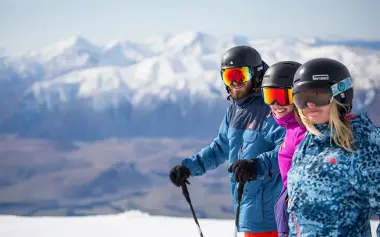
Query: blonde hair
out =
(341, 129)
(297, 116)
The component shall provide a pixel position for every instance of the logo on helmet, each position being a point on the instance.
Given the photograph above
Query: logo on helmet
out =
(323, 77)
(231, 62)
(341, 86)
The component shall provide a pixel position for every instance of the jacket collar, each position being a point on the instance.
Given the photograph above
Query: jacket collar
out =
(287, 120)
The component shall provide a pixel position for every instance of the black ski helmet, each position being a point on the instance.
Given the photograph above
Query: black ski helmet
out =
(321, 71)
(245, 56)
(280, 75)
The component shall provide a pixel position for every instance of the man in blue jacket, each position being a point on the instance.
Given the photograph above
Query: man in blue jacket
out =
(249, 138)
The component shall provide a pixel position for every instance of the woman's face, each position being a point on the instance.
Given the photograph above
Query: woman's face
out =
(280, 110)
(317, 114)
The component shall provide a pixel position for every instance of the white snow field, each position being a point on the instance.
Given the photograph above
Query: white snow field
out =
(128, 224)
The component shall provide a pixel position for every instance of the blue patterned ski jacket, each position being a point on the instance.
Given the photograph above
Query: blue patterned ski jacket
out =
(333, 192)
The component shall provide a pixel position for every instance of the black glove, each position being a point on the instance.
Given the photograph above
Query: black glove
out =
(179, 174)
(244, 170)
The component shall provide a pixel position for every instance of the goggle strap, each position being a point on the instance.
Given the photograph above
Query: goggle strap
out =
(341, 86)
(287, 95)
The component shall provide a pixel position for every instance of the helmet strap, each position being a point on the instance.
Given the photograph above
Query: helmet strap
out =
(228, 92)
(258, 73)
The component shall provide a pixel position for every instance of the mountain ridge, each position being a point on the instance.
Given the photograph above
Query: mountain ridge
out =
(81, 87)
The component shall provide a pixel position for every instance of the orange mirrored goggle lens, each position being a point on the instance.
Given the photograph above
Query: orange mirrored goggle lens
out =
(239, 75)
(283, 96)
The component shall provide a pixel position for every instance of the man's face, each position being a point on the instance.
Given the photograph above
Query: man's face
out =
(239, 81)
(240, 90)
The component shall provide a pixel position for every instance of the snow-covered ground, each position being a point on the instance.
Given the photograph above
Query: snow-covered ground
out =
(128, 224)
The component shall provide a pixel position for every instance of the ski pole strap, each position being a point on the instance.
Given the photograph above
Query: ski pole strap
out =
(239, 197)
(185, 192)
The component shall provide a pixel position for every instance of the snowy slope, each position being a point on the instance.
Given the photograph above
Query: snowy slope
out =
(161, 77)
(59, 58)
(128, 224)
(188, 60)
(172, 78)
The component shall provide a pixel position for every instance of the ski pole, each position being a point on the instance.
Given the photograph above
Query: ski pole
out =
(185, 192)
(239, 197)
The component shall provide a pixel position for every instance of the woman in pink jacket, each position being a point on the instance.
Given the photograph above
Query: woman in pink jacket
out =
(277, 93)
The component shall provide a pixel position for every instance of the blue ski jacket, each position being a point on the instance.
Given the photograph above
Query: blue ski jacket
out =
(248, 131)
(333, 192)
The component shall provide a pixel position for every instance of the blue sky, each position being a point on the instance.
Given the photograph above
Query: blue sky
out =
(29, 24)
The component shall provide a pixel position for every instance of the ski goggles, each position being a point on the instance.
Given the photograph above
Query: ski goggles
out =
(239, 75)
(319, 94)
(283, 96)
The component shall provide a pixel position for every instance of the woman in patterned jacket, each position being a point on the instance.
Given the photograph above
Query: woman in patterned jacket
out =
(334, 180)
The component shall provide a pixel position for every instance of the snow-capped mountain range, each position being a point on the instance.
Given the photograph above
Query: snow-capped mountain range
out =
(164, 86)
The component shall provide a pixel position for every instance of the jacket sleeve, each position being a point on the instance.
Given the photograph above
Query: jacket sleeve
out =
(367, 173)
(211, 156)
(268, 161)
